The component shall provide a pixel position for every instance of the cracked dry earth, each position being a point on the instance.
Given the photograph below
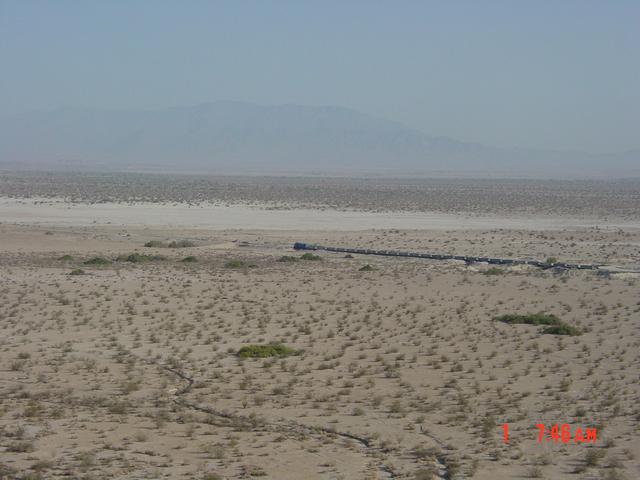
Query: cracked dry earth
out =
(130, 369)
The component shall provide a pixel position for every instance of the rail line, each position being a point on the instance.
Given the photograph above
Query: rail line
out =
(440, 256)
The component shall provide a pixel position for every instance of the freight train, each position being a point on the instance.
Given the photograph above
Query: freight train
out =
(439, 256)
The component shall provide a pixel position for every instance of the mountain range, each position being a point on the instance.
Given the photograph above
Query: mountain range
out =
(240, 137)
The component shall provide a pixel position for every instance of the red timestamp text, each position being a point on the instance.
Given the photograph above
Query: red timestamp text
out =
(562, 433)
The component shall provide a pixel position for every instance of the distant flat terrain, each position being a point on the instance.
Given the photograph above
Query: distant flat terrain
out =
(606, 200)
(57, 211)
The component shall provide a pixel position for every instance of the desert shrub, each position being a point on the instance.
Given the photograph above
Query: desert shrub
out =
(155, 244)
(425, 474)
(551, 260)
(554, 326)
(238, 264)
(65, 258)
(310, 256)
(172, 244)
(535, 472)
(288, 258)
(367, 268)
(592, 457)
(562, 329)
(488, 425)
(211, 476)
(118, 408)
(21, 447)
(77, 271)
(255, 471)
(530, 319)
(86, 460)
(424, 453)
(97, 261)
(493, 271)
(189, 259)
(139, 258)
(42, 465)
(396, 407)
(181, 244)
(6, 471)
(264, 351)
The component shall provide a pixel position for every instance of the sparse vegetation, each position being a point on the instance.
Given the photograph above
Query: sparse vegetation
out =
(181, 244)
(264, 351)
(172, 244)
(530, 319)
(140, 258)
(310, 256)
(238, 264)
(288, 259)
(562, 329)
(554, 326)
(493, 271)
(403, 373)
(97, 261)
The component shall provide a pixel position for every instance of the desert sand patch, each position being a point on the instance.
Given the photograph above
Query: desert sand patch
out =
(129, 368)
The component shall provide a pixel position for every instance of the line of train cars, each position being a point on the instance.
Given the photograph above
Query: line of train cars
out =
(437, 256)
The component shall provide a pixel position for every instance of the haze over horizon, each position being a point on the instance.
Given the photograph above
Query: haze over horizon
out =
(503, 76)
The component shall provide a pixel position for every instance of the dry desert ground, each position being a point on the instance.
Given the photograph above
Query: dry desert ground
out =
(120, 360)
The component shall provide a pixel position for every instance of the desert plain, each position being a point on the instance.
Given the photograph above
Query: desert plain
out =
(125, 301)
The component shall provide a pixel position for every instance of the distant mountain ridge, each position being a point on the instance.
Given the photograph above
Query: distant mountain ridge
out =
(228, 136)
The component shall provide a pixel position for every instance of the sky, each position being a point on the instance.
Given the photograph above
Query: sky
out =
(560, 74)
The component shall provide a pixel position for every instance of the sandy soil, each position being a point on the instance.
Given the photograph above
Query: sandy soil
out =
(130, 369)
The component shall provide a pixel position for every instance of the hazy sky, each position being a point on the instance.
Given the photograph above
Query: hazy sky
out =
(559, 74)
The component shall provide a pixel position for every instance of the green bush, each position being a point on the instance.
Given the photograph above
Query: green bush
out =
(310, 256)
(493, 271)
(264, 351)
(172, 244)
(530, 319)
(367, 268)
(97, 261)
(288, 258)
(77, 271)
(181, 244)
(139, 258)
(65, 258)
(553, 325)
(238, 264)
(562, 329)
(551, 260)
(189, 259)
